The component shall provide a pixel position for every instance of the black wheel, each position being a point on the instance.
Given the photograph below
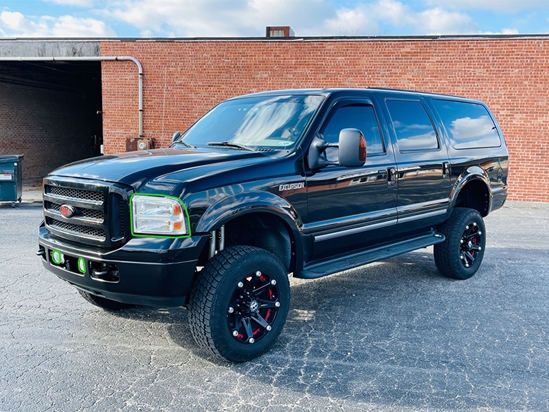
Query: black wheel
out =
(104, 303)
(239, 303)
(460, 255)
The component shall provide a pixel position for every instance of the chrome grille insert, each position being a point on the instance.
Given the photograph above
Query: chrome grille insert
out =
(100, 211)
(84, 231)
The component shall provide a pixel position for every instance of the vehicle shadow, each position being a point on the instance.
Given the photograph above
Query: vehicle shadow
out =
(392, 333)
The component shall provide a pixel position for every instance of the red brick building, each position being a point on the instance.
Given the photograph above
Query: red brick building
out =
(183, 78)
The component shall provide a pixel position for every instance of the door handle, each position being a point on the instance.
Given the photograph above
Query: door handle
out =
(392, 176)
(446, 170)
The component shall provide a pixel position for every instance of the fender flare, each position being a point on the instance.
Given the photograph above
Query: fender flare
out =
(229, 208)
(472, 173)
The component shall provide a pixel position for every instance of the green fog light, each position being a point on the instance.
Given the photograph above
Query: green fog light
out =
(57, 257)
(81, 265)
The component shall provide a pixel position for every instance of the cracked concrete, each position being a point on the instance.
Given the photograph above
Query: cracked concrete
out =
(391, 336)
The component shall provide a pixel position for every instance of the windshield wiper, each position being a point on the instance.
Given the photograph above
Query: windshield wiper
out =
(185, 144)
(230, 144)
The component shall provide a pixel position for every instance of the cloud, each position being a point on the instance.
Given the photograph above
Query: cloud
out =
(498, 6)
(439, 21)
(244, 18)
(351, 23)
(15, 24)
(76, 3)
(213, 18)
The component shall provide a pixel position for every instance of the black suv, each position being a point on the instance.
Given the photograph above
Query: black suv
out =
(307, 182)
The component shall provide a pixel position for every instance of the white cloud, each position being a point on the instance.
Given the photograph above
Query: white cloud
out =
(351, 23)
(438, 21)
(203, 18)
(400, 16)
(499, 6)
(15, 24)
(239, 18)
(77, 3)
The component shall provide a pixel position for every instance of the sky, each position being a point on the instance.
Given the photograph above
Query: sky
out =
(248, 18)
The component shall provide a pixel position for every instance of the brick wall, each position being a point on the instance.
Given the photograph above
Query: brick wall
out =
(50, 128)
(183, 79)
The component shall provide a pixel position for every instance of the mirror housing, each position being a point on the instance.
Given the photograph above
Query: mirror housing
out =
(316, 158)
(352, 148)
(175, 136)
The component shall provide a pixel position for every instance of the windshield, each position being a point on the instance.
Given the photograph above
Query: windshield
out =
(275, 122)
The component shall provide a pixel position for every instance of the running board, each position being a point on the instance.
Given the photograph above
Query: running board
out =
(347, 262)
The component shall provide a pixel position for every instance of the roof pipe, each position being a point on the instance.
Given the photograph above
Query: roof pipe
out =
(91, 59)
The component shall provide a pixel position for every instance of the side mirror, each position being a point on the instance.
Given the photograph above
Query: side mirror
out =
(352, 148)
(316, 156)
(175, 136)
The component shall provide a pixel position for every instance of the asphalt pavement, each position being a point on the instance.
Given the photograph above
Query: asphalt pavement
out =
(390, 336)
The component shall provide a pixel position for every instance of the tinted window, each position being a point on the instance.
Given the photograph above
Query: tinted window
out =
(468, 125)
(413, 127)
(356, 116)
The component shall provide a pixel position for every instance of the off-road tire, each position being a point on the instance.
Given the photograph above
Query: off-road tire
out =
(239, 303)
(103, 303)
(460, 255)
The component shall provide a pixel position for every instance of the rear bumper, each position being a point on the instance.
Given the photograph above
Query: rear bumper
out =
(151, 272)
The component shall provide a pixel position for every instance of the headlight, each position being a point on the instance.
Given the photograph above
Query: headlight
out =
(158, 215)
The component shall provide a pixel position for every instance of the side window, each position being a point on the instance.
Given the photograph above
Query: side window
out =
(469, 125)
(358, 116)
(413, 127)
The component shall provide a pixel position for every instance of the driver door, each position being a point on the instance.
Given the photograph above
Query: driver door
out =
(351, 208)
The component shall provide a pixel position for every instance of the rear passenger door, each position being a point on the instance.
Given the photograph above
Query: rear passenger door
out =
(422, 172)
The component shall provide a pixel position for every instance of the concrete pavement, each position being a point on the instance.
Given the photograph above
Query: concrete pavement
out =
(390, 336)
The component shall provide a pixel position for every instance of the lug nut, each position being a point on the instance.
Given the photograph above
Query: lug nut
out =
(251, 340)
(240, 284)
(231, 310)
(273, 282)
(269, 328)
(235, 333)
(258, 273)
(277, 304)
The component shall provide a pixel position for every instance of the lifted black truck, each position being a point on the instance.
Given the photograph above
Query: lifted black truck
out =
(301, 182)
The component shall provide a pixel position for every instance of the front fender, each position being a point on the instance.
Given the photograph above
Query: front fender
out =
(250, 202)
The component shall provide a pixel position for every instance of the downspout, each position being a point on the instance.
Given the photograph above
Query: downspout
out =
(92, 59)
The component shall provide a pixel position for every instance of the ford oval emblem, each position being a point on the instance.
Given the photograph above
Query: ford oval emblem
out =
(67, 211)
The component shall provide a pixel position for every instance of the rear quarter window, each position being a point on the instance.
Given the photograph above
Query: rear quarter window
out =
(468, 125)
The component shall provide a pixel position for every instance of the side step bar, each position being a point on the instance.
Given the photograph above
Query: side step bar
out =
(319, 269)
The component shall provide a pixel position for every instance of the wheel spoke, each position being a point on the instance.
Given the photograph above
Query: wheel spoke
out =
(267, 304)
(475, 247)
(469, 256)
(247, 326)
(259, 319)
(260, 289)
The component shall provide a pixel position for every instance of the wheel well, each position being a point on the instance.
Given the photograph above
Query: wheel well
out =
(262, 230)
(475, 196)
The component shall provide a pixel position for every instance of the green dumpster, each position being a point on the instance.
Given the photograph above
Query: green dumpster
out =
(11, 181)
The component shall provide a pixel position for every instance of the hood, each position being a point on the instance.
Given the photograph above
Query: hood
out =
(135, 168)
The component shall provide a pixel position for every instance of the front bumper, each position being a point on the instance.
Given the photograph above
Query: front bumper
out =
(151, 272)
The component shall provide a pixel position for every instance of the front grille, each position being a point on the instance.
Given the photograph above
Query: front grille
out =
(74, 194)
(99, 211)
(89, 232)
